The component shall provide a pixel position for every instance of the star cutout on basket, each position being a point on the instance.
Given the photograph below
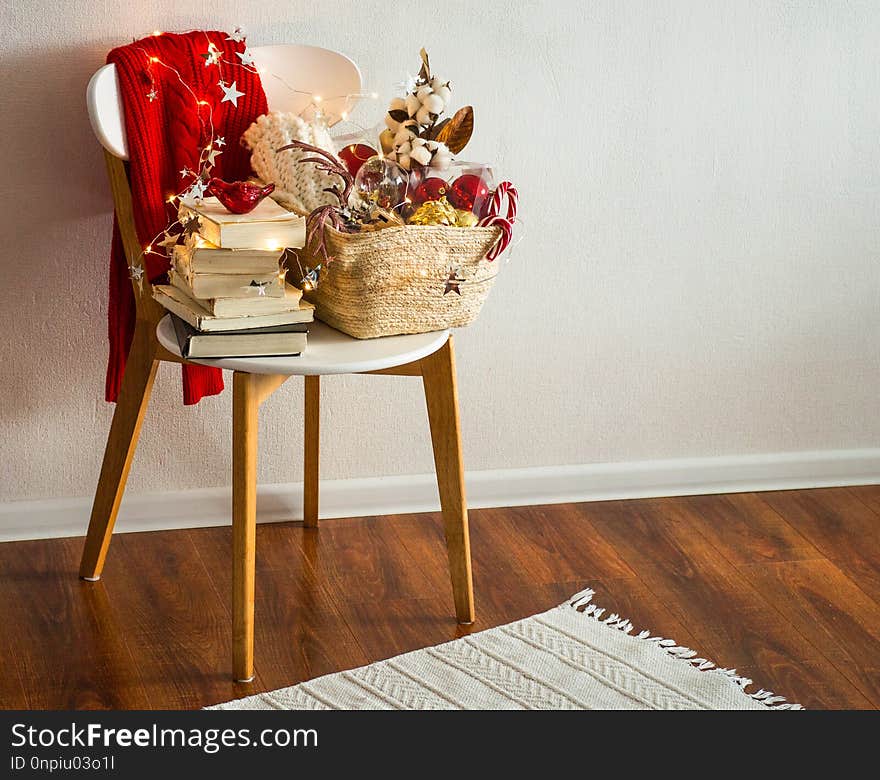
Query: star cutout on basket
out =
(247, 59)
(230, 92)
(152, 95)
(453, 282)
(238, 35)
(219, 141)
(212, 56)
(261, 286)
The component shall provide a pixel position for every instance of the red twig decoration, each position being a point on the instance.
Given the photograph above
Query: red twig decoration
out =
(324, 215)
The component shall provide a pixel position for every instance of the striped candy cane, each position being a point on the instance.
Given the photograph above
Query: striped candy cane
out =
(493, 217)
(506, 234)
(505, 189)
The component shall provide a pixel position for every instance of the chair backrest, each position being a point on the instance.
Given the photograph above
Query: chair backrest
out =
(292, 76)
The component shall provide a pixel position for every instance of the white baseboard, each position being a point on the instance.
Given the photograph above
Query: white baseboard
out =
(418, 493)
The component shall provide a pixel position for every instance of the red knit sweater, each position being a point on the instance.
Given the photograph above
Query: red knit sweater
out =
(166, 135)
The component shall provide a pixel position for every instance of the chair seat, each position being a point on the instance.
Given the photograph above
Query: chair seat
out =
(328, 352)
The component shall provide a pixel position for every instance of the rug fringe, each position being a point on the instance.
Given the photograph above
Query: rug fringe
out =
(583, 602)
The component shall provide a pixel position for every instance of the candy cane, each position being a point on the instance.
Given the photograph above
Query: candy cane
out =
(502, 190)
(506, 234)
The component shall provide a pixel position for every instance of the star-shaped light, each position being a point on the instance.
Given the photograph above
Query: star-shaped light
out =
(196, 190)
(453, 282)
(247, 59)
(136, 273)
(212, 56)
(238, 35)
(230, 93)
(184, 172)
(219, 141)
(212, 156)
(191, 225)
(261, 286)
(310, 280)
(152, 94)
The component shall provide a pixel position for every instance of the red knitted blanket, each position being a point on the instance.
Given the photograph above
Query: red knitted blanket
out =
(168, 123)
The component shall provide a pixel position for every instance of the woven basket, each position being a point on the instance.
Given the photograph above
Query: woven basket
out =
(390, 281)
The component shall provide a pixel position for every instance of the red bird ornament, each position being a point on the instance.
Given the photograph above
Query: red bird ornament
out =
(239, 197)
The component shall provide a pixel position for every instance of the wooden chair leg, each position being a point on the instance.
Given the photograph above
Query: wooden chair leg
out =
(441, 395)
(245, 407)
(134, 395)
(312, 439)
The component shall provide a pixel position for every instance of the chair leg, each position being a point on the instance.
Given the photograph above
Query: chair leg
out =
(441, 395)
(312, 439)
(134, 395)
(245, 405)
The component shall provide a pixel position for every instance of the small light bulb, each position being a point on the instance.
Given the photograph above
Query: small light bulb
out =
(157, 33)
(154, 59)
(374, 95)
(149, 248)
(344, 115)
(171, 198)
(317, 98)
(204, 103)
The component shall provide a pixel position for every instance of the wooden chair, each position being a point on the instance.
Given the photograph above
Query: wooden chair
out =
(429, 356)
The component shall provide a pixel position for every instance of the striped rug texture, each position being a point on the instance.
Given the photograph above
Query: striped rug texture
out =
(571, 657)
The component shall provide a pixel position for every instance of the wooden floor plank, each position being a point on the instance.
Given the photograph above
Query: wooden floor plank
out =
(715, 602)
(783, 586)
(831, 612)
(869, 495)
(743, 528)
(840, 525)
(65, 641)
(179, 631)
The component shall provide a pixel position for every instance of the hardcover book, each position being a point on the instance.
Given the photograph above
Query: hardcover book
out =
(196, 314)
(255, 342)
(269, 226)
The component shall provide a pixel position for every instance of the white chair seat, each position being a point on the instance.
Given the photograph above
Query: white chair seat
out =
(328, 352)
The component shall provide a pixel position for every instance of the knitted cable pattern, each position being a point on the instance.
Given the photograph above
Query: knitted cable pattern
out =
(297, 187)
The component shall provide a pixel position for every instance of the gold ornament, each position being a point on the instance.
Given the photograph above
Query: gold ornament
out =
(434, 212)
(465, 218)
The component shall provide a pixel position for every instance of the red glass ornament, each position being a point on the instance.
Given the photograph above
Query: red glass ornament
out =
(468, 192)
(239, 197)
(432, 188)
(354, 156)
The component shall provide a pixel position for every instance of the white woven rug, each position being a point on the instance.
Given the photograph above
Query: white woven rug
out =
(571, 657)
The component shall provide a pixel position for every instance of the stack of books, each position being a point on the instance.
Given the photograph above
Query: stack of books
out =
(227, 294)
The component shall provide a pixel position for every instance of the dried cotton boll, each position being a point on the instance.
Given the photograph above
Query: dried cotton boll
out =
(397, 104)
(423, 116)
(402, 135)
(403, 161)
(412, 104)
(421, 155)
(404, 148)
(444, 93)
(390, 123)
(423, 92)
(434, 103)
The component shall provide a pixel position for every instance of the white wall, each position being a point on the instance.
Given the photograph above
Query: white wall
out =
(700, 185)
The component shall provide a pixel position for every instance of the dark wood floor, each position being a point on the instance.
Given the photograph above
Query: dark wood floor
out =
(783, 586)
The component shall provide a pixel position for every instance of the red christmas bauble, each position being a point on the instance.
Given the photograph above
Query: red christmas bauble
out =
(355, 155)
(432, 188)
(468, 192)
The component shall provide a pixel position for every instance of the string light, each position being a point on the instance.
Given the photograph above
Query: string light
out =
(213, 57)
